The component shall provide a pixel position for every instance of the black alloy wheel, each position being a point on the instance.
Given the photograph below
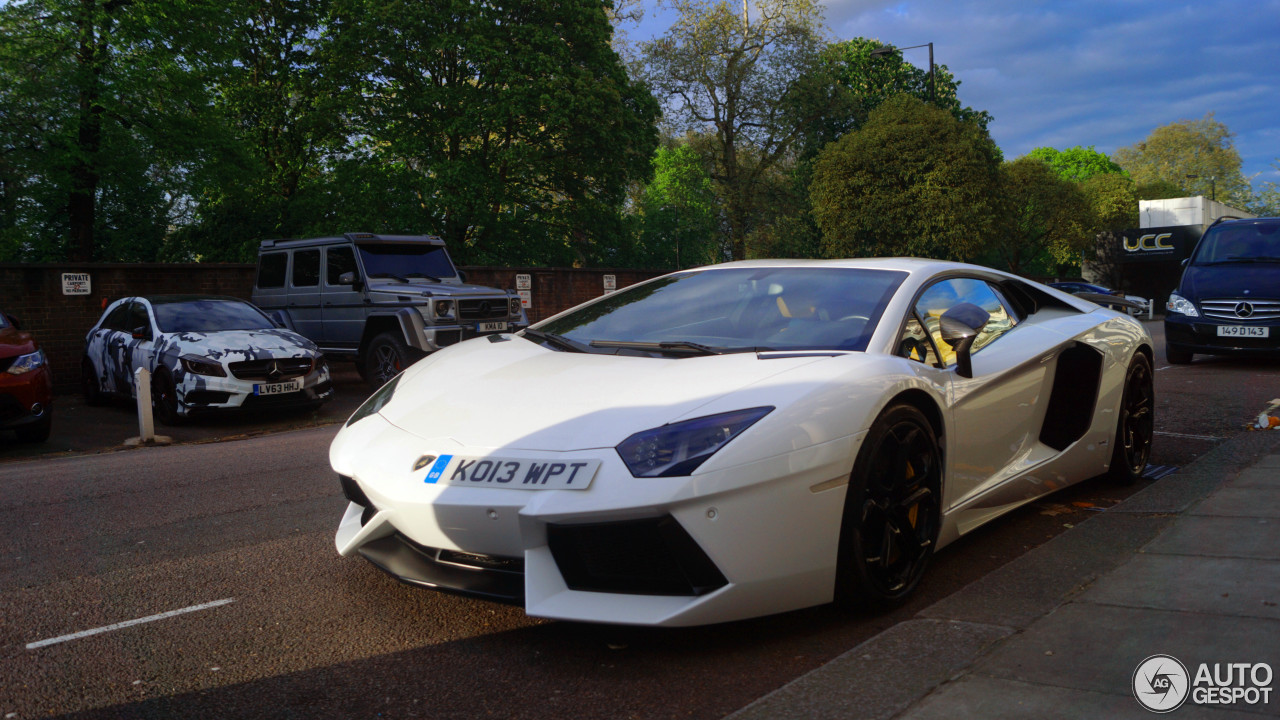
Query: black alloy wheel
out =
(164, 399)
(891, 514)
(386, 356)
(1136, 424)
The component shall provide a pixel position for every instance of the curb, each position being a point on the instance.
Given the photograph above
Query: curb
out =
(901, 666)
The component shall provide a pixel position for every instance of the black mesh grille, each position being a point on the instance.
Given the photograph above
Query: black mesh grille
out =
(272, 370)
(486, 309)
(643, 557)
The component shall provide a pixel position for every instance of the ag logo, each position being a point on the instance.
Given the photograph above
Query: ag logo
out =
(1161, 683)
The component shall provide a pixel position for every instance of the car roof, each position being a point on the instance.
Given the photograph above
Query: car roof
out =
(905, 264)
(167, 299)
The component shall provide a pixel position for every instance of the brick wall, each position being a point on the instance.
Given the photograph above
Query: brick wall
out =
(33, 294)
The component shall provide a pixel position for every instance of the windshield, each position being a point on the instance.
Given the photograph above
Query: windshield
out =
(738, 309)
(402, 260)
(1251, 242)
(209, 315)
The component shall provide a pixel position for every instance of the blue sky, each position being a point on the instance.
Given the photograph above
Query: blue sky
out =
(1093, 72)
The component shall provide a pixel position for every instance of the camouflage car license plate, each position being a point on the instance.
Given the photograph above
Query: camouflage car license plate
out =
(279, 388)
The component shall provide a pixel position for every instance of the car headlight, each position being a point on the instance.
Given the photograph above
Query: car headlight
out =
(442, 308)
(26, 363)
(679, 448)
(199, 365)
(1181, 305)
(376, 401)
(514, 306)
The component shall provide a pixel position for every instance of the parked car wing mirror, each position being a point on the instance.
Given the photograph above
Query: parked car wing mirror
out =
(14, 322)
(960, 326)
(349, 278)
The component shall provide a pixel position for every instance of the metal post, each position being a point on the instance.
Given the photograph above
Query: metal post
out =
(933, 95)
(146, 425)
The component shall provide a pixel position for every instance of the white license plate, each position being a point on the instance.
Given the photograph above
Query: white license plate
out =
(491, 327)
(512, 473)
(1242, 331)
(279, 388)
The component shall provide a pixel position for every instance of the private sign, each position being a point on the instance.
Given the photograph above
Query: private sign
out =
(75, 283)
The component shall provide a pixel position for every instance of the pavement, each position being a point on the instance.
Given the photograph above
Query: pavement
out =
(80, 429)
(1187, 568)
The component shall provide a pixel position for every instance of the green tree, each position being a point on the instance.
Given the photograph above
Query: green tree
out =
(1159, 190)
(680, 212)
(1266, 200)
(866, 75)
(1076, 164)
(912, 180)
(1202, 148)
(515, 120)
(747, 78)
(103, 100)
(1046, 222)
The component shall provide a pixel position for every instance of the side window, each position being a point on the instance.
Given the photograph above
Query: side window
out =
(338, 260)
(138, 318)
(306, 268)
(118, 319)
(916, 345)
(271, 270)
(944, 295)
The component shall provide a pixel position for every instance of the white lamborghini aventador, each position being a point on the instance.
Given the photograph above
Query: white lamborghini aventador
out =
(741, 439)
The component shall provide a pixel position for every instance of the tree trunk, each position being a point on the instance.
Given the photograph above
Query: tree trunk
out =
(82, 200)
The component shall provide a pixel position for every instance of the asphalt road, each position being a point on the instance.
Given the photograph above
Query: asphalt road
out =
(240, 535)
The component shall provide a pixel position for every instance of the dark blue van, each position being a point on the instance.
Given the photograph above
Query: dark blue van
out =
(1228, 301)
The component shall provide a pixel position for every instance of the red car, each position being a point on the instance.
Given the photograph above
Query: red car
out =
(26, 385)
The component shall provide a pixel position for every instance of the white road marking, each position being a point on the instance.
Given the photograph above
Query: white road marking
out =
(1193, 437)
(127, 623)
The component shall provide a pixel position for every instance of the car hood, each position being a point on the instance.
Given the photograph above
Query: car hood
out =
(240, 344)
(1235, 280)
(435, 290)
(14, 342)
(520, 395)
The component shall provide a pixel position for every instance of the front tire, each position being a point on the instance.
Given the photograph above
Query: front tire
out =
(90, 388)
(891, 511)
(1135, 426)
(164, 399)
(385, 357)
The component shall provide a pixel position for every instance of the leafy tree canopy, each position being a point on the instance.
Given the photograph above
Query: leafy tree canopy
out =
(1046, 220)
(745, 76)
(913, 180)
(1202, 148)
(1076, 164)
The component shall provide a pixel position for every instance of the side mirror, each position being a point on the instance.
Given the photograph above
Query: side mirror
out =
(462, 275)
(960, 326)
(1185, 261)
(142, 332)
(349, 278)
(14, 322)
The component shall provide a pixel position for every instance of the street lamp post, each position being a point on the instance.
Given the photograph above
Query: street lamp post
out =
(889, 49)
(1213, 185)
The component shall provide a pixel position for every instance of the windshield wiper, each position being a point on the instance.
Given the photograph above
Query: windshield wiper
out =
(389, 275)
(683, 346)
(559, 341)
(432, 278)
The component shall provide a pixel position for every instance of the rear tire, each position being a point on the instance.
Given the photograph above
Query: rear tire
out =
(1135, 426)
(386, 356)
(891, 512)
(1176, 355)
